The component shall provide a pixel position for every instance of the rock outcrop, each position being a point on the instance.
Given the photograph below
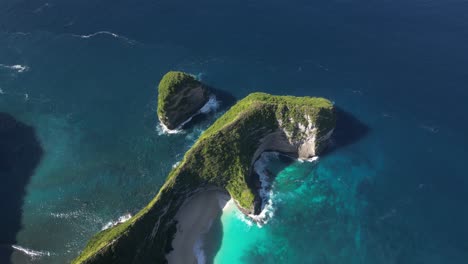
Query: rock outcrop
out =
(180, 97)
(222, 158)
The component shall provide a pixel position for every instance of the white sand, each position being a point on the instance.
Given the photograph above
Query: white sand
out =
(194, 219)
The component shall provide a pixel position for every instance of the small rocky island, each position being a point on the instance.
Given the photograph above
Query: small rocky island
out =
(180, 97)
(221, 159)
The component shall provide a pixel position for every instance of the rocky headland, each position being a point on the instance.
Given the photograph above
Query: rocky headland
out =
(222, 159)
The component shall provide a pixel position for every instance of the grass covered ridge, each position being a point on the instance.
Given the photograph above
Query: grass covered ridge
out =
(221, 157)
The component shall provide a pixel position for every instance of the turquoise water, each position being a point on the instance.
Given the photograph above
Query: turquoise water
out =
(315, 212)
(392, 189)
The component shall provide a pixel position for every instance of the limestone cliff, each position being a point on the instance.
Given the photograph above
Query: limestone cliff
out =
(180, 96)
(221, 158)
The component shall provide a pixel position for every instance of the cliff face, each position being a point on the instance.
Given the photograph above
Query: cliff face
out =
(221, 158)
(180, 96)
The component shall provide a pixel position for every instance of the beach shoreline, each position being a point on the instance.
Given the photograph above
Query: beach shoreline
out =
(194, 220)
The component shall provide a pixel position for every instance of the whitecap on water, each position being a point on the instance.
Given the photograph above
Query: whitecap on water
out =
(32, 253)
(114, 35)
(17, 67)
(74, 214)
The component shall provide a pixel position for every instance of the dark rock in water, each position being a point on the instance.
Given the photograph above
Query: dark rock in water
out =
(180, 97)
(20, 154)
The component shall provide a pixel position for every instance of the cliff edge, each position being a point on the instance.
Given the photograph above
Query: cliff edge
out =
(180, 97)
(222, 158)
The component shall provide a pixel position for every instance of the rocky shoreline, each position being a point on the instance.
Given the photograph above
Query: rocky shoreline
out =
(223, 157)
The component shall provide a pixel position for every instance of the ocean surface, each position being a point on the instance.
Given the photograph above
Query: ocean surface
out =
(83, 75)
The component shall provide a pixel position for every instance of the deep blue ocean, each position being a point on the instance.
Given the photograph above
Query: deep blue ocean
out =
(81, 78)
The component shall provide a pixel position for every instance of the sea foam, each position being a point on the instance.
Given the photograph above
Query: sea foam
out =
(108, 33)
(32, 253)
(120, 220)
(210, 106)
(265, 191)
(17, 67)
(74, 214)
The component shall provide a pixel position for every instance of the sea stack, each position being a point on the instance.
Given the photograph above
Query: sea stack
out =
(180, 97)
(222, 159)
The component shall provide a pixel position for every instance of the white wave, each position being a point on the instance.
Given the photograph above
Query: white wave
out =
(74, 214)
(163, 130)
(32, 253)
(231, 207)
(41, 8)
(175, 165)
(210, 106)
(199, 76)
(120, 220)
(244, 219)
(315, 158)
(117, 36)
(265, 191)
(17, 67)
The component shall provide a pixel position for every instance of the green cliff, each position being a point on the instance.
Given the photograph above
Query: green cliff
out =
(180, 96)
(221, 158)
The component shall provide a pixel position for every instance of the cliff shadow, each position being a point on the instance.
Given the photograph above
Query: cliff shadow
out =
(225, 100)
(348, 130)
(20, 154)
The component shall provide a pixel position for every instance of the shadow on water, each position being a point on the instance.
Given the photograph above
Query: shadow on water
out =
(20, 154)
(348, 130)
(225, 99)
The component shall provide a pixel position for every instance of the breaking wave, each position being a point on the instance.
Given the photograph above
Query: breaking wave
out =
(210, 106)
(265, 191)
(32, 253)
(120, 220)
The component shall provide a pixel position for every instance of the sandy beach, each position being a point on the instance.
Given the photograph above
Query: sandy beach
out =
(194, 220)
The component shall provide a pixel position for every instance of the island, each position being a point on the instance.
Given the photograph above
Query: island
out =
(221, 159)
(180, 97)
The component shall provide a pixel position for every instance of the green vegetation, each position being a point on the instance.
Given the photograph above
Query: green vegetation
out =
(221, 157)
(171, 83)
